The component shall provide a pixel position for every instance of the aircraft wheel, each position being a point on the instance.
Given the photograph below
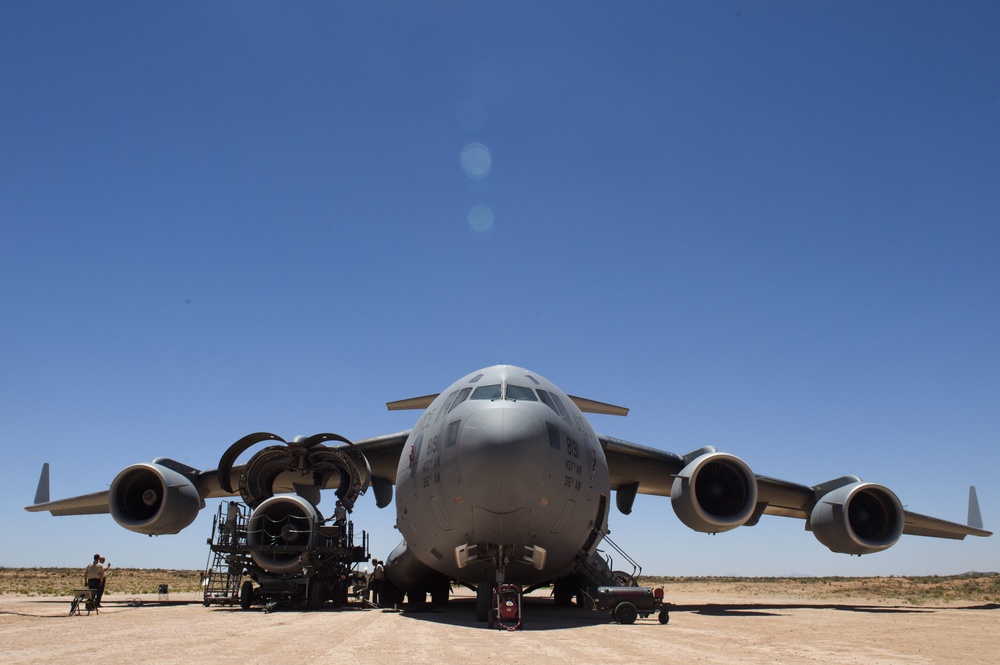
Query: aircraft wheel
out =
(390, 595)
(625, 613)
(246, 595)
(563, 594)
(315, 594)
(491, 617)
(484, 598)
(664, 616)
(439, 594)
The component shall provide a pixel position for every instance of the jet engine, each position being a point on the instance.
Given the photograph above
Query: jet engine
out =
(858, 518)
(152, 499)
(715, 492)
(279, 523)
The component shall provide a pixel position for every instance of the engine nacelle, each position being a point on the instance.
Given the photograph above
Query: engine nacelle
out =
(285, 520)
(152, 499)
(715, 492)
(859, 518)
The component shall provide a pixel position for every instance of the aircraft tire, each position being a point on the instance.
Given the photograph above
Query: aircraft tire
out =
(625, 613)
(390, 595)
(563, 593)
(246, 595)
(440, 593)
(484, 598)
(315, 594)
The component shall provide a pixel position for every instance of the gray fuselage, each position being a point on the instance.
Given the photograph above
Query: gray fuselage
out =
(502, 459)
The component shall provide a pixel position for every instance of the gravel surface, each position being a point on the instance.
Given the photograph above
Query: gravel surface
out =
(708, 625)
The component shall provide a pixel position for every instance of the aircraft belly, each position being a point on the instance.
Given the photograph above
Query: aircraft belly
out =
(490, 527)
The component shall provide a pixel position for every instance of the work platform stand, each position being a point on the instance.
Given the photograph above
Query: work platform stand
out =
(228, 543)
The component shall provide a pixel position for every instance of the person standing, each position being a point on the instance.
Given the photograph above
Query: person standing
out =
(93, 576)
(340, 519)
(375, 584)
(104, 580)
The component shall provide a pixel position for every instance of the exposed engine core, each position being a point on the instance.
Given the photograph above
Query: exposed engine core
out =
(306, 464)
(152, 499)
(715, 492)
(859, 518)
(281, 522)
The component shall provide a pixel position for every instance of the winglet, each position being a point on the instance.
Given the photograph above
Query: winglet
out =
(42, 493)
(593, 406)
(412, 403)
(975, 517)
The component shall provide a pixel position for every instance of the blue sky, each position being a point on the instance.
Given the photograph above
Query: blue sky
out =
(769, 227)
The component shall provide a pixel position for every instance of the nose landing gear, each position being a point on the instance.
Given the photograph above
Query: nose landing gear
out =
(499, 603)
(505, 611)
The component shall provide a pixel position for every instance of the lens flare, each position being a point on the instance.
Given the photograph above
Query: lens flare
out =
(481, 218)
(476, 160)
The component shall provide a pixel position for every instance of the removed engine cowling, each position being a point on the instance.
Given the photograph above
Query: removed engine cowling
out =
(281, 522)
(715, 492)
(152, 499)
(858, 518)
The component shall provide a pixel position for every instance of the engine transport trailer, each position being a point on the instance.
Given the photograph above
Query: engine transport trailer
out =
(283, 560)
(626, 603)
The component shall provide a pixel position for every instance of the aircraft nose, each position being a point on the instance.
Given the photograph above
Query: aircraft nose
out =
(502, 454)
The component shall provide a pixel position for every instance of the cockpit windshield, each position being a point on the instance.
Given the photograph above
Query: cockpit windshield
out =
(499, 391)
(486, 392)
(520, 394)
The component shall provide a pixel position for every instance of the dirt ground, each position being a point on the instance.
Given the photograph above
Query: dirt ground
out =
(709, 623)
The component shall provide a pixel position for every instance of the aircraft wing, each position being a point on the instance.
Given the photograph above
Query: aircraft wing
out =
(88, 504)
(382, 453)
(640, 469)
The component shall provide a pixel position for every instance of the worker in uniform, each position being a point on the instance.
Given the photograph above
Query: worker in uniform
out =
(93, 576)
(340, 519)
(375, 583)
(104, 580)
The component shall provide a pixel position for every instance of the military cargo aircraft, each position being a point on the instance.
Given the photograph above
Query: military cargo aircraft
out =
(502, 480)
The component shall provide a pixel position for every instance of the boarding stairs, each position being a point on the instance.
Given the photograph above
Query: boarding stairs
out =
(599, 570)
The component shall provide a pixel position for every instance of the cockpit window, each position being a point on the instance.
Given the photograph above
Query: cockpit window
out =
(520, 394)
(449, 403)
(554, 403)
(461, 397)
(486, 392)
(559, 407)
(452, 437)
